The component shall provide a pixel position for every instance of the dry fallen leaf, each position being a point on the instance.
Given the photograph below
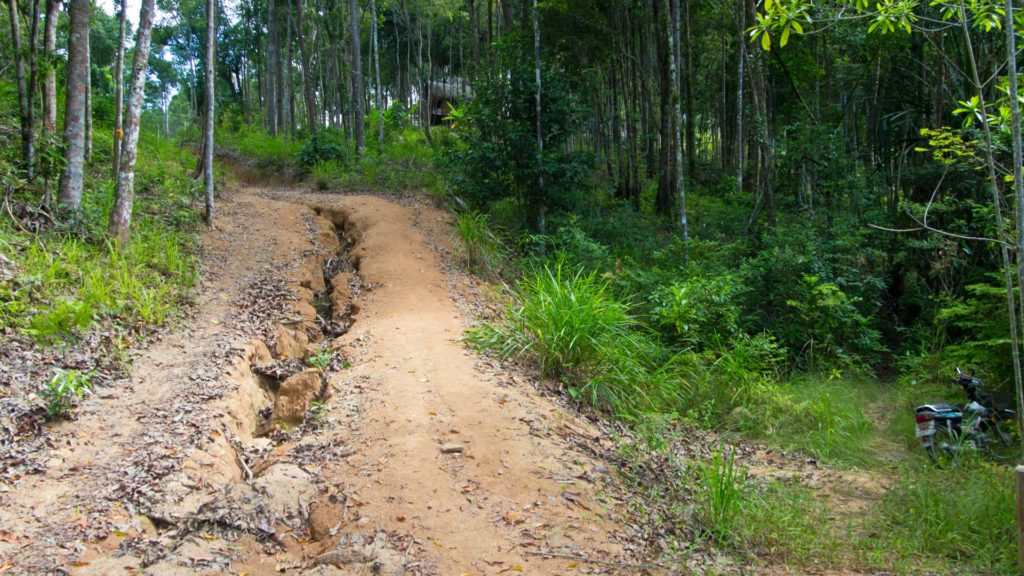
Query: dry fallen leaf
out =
(513, 517)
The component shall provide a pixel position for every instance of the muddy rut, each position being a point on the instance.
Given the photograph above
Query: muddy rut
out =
(318, 414)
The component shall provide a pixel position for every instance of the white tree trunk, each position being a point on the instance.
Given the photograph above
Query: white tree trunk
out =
(121, 215)
(119, 87)
(675, 57)
(376, 71)
(211, 63)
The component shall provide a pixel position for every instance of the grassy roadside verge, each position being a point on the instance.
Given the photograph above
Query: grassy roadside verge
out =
(857, 492)
(71, 304)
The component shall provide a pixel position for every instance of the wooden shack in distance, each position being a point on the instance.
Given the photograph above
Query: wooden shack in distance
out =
(445, 95)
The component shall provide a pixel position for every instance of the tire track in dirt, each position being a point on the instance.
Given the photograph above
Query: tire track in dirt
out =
(415, 455)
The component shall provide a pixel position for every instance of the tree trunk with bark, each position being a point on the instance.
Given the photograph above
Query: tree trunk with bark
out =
(119, 86)
(50, 80)
(542, 225)
(309, 99)
(121, 215)
(1018, 194)
(273, 70)
(88, 100)
(70, 195)
(357, 77)
(211, 63)
(25, 71)
(378, 92)
(680, 183)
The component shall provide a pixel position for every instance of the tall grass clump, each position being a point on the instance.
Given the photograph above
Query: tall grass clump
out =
(476, 244)
(571, 325)
(722, 490)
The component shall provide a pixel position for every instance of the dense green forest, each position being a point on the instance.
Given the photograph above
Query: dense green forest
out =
(784, 221)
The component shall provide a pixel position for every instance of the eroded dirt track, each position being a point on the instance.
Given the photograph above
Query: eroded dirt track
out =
(318, 415)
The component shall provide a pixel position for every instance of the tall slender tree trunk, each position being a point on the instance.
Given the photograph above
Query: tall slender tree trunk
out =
(357, 77)
(507, 18)
(25, 67)
(1018, 194)
(378, 92)
(50, 85)
(674, 37)
(663, 198)
(121, 215)
(740, 136)
(50, 80)
(88, 100)
(1004, 251)
(765, 154)
(211, 100)
(691, 147)
(542, 225)
(273, 70)
(307, 83)
(70, 195)
(119, 86)
(474, 32)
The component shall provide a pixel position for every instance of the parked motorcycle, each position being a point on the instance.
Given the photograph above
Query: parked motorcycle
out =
(947, 431)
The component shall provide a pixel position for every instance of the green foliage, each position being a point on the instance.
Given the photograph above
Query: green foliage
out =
(495, 153)
(826, 320)
(815, 295)
(699, 309)
(63, 389)
(975, 326)
(477, 245)
(828, 418)
(564, 320)
(322, 359)
(324, 146)
(67, 280)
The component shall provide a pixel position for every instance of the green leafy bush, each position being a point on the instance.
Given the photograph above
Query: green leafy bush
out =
(63, 389)
(699, 310)
(821, 322)
(562, 319)
(68, 278)
(977, 329)
(323, 146)
(494, 154)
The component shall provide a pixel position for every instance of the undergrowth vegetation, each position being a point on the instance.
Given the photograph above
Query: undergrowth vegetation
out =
(762, 343)
(67, 279)
(405, 162)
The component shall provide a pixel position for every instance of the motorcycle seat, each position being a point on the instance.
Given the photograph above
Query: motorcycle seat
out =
(938, 409)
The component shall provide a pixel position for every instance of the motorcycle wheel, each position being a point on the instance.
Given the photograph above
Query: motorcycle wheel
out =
(945, 448)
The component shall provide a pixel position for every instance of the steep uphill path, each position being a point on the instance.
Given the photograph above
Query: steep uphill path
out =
(391, 449)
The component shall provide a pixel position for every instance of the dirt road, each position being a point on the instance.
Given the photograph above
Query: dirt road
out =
(318, 414)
